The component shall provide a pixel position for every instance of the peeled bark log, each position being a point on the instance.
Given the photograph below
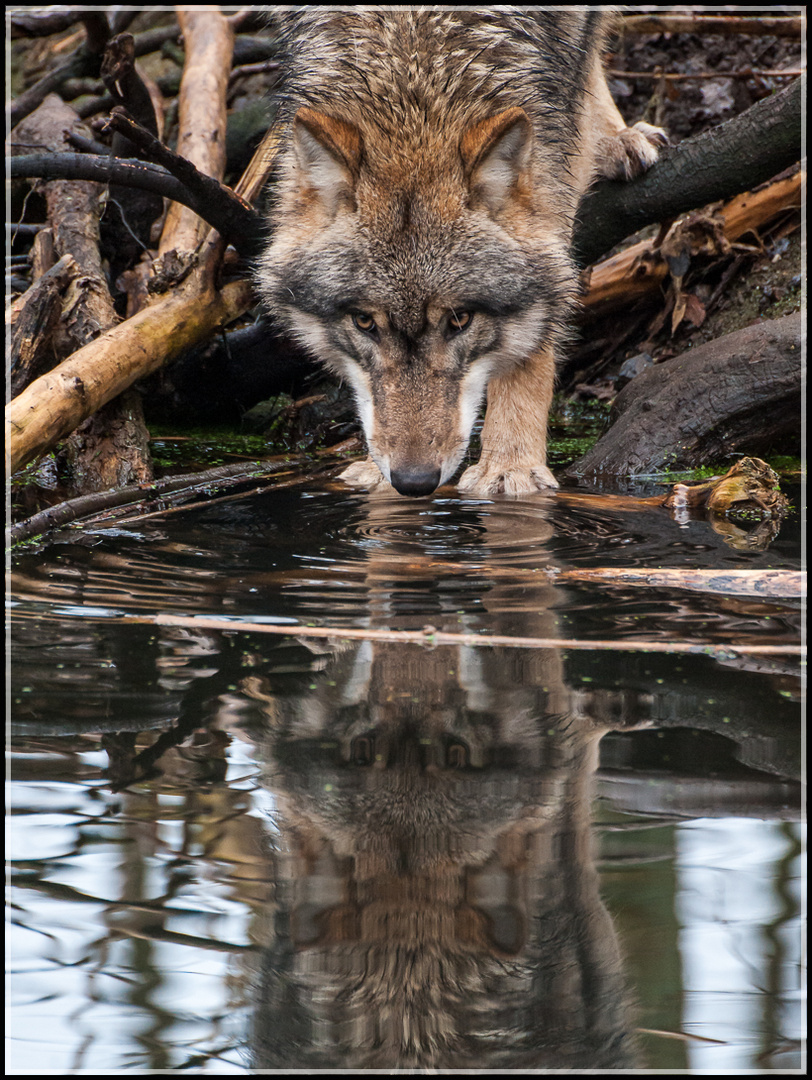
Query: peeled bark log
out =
(57, 403)
(738, 394)
(209, 42)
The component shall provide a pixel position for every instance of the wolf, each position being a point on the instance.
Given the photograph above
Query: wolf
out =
(431, 163)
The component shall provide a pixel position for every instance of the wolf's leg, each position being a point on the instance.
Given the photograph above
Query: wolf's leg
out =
(365, 474)
(514, 434)
(621, 152)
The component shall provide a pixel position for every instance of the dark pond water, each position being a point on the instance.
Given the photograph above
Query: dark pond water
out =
(233, 851)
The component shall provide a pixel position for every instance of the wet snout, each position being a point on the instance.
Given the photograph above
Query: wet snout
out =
(415, 479)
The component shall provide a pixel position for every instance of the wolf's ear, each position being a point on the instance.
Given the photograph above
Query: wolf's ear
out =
(328, 152)
(495, 153)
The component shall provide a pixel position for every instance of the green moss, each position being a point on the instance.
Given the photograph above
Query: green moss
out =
(172, 448)
(787, 466)
(574, 429)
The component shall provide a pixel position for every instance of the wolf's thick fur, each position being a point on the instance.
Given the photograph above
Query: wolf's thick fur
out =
(429, 177)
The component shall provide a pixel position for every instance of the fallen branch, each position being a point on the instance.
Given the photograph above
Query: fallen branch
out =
(98, 510)
(768, 584)
(56, 403)
(223, 209)
(736, 156)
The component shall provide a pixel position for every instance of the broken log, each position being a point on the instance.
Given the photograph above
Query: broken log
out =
(738, 394)
(749, 486)
(36, 316)
(640, 269)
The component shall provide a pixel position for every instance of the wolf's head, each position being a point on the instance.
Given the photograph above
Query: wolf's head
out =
(417, 270)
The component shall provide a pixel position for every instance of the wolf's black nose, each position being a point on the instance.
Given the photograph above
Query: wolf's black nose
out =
(415, 481)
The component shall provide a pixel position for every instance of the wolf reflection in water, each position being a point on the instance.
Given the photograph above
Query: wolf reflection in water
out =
(437, 900)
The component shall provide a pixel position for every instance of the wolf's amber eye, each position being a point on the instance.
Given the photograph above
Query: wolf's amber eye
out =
(458, 320)
(365, 323)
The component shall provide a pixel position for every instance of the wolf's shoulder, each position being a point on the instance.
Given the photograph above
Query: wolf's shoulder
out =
(436, 57)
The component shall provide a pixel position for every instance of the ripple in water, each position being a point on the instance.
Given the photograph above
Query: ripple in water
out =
(455, 530)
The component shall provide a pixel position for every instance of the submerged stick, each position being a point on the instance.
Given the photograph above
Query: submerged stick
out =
(429, 635)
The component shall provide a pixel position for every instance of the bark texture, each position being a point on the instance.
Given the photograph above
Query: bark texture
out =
(738, 394)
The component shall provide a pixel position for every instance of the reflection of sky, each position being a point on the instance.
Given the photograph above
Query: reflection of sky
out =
(733, 923)
(80, 1001)
(78, 996)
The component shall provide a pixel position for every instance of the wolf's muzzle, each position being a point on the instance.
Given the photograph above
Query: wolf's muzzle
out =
(415, 481)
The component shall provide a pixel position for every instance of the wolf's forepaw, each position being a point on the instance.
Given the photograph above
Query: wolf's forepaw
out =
(631, 152)
(493, 479)
(365, 474)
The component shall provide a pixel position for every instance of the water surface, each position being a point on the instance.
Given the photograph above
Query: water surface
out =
(232, 850)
